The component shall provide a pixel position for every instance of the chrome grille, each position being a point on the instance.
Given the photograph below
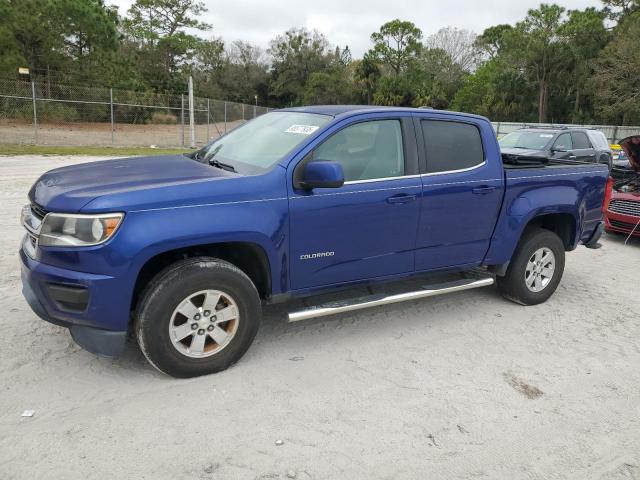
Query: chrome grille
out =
(32, 221)
(625, 207)
(38, 211)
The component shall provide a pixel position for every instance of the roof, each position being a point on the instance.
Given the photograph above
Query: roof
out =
(559, 128)
(338, 110)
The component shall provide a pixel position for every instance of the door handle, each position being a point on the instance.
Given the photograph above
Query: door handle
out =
(483, 190)
(571, 157)
(402, 198)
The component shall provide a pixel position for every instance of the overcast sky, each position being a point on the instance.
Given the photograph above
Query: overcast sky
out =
(346, 22)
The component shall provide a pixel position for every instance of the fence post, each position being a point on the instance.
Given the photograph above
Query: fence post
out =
(243, 112)
(192, 126)
(615, 135)
(35, 113)
(182, 116)
(113, 129)
(225, 117)
(208, 113)
(255, 111)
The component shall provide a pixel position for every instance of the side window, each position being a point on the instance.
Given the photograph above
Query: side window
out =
(580, 140)
(451, 145)
(366, 150)
(564, 142)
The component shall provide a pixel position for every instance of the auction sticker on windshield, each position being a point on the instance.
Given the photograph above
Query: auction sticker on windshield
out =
(303, 129)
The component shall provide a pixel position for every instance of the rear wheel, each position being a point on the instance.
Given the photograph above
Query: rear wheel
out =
(536, 268)
(198, 316)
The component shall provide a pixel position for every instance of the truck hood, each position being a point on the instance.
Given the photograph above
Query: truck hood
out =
(632, 150)
(70, 188)
(522, 152)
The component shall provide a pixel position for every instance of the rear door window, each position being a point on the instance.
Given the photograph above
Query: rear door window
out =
(451, 146)
(580, 140)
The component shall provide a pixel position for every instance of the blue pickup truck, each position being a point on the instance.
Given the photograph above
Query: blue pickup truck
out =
(183, 251)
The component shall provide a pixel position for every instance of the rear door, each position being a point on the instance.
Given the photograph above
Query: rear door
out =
(582, 148)
(463, 186)
(366, 228)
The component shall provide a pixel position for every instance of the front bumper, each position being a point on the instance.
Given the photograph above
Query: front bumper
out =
(620, 223)
(95, 319)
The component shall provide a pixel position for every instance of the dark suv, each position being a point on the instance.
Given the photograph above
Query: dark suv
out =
(581, 144)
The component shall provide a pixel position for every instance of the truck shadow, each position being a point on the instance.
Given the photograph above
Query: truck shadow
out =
(295, 340)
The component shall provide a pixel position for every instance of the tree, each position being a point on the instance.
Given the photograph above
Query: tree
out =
(246, 73)
(295, 56)
(534, 46)
(585, 36)
(498, 91)
(436, 79)
(160, 29)
(48, 34)
(367, 73)
(459, 44)
(492, 40)
(617, 75)
(618, 10)
(397, 45)
(328, 88)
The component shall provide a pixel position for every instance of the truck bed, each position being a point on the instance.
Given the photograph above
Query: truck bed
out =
(575, 191)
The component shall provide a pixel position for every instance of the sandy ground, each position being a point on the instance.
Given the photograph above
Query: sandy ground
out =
(100, 134)
(465, 386)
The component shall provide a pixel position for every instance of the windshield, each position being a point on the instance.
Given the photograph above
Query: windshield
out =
(529, 140)
(259, 144)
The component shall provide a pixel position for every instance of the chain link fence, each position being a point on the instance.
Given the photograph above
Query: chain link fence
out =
(613, 133)
(51, 114)
(44, 113)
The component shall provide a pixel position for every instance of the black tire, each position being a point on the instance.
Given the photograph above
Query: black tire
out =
(513, 285)
(161, 298)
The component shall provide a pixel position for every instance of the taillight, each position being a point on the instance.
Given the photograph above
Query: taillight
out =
(608, 192)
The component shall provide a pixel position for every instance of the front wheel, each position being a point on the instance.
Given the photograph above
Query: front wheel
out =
(535, 269)
(198, 316)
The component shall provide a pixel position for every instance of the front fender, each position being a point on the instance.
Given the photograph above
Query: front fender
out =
(264, 224)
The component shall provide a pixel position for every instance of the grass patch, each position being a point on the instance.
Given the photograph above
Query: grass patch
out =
(98, 151)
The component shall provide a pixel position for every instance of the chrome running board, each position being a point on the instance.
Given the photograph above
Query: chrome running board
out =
(359, 303)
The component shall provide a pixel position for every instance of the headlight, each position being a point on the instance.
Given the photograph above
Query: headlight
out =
(75, 230)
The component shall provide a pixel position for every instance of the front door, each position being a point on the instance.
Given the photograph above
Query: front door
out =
(366, 228)
(562, 148)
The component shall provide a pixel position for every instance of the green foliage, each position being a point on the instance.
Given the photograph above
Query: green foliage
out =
(397, 45)
(617, 75)
(366, 75)
(492, 40)
(157, 28)
(554, 65)
(296, 55)
(497, 91)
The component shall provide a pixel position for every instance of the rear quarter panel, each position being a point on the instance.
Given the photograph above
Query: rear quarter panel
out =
(574, 190)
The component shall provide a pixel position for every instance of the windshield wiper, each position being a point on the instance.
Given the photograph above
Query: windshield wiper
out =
(224, 166)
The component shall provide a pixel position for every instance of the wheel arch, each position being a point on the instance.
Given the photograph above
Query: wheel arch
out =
(563, 224)
(249, 257)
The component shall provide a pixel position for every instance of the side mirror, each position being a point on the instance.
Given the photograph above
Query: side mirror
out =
(560, 148)
(323, 174)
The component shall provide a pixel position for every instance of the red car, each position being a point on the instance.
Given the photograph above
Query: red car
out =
(622, 201)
